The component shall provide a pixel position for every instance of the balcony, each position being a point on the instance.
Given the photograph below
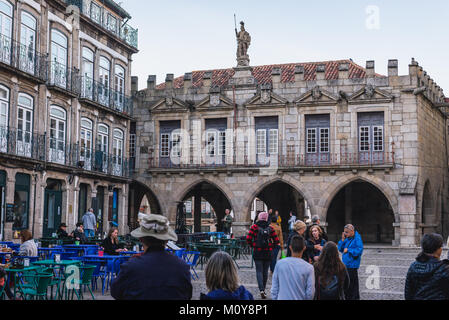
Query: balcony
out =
(98, 15)
(23, 58)
(105, 96)
(65, 78)
(40, 147)
(288, 158)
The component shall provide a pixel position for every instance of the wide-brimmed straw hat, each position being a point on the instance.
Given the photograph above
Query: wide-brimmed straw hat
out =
(156, 226)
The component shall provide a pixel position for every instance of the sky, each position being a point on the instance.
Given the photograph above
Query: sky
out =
(180, 36)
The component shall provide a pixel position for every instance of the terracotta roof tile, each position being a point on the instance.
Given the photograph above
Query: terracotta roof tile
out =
(220, 77)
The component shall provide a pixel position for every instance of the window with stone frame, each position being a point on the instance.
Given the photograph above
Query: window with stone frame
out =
(211, 140)
(261, 141)
(324, 140)
(165, 145)
(273, 141)
(378, 138)
(364, 139)
(311, 140)
(222, 143)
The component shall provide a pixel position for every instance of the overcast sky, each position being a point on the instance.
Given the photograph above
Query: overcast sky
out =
(180, 36)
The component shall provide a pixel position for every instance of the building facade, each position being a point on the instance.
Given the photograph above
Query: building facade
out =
(65, 114)
(332, 139)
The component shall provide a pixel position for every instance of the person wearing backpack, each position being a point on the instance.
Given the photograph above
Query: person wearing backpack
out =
(262, 238)
(331, 275)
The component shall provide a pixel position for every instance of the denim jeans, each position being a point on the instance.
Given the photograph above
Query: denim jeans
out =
(89, 233)
(262, 267)
(276, 250)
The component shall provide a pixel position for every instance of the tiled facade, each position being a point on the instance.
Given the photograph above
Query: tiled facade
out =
(66, 112)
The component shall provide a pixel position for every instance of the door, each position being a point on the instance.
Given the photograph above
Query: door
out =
(216, 141)
(317, 139)
(169, 144)
(27, 53)
(52, 212)
(119, 87)
(24, 129)
(102, 152)
(103, 86)
(4, 109)
(267, 140)
(86, 143)
(88, 74)
(59, 59)
(5, 32)
(371, 137)
(57, 140)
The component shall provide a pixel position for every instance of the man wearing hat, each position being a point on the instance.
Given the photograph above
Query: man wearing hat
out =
(62, 231)
(157, 274)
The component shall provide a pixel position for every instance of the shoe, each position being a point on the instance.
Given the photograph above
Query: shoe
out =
(263, 295)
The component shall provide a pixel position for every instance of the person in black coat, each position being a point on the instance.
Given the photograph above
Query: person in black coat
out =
(62, 232)
(428, 276)
(111, 244)
(157, 274)
(78, 233)
(316, 222)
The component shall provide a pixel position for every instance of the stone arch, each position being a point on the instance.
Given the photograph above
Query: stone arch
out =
(256, 189)
(220, 199)
(329, 194)
(137, 190)
(376, 216)
(427, 214)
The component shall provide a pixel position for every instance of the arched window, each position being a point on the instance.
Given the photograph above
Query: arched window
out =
(27, 52)
(4, 118)
(86, 143)
(105, 79)
(59, 57)
(119, 87)
(25, 108)
(58, 123)
(6, 14)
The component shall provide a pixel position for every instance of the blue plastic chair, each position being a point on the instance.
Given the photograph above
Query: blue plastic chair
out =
(191, 258)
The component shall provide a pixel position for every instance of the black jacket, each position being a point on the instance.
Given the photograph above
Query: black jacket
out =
(62, 234)
(307, 233)
(427, 279)
(81, 236)
(110, 247)
(156, 275)
(343, 287)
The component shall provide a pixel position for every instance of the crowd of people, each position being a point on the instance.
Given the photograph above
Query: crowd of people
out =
(311, 268)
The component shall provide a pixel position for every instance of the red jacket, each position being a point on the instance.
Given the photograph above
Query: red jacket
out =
(251, 238)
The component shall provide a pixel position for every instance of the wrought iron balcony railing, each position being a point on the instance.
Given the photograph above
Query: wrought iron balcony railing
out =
(104, 95)
(285, 158)
(42, 147)
(100, 16)
(63, 77)
(23, 57)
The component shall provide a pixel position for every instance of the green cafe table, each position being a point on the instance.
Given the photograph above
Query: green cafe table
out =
(16, 275)
(58, 271)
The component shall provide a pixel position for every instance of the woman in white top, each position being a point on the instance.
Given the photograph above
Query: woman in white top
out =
(28, 247)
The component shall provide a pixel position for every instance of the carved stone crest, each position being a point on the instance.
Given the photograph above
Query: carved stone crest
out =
(169, 101)
(214, 100)
(369, 91)
(316, 93)
(265, 96)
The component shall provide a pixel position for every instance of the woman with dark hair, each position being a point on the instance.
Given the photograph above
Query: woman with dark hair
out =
(110, 244)
(331, 275)
(428, 276)
(222, 279)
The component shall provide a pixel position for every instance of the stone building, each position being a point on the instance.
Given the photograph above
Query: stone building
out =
(356, 146)
(65, 113)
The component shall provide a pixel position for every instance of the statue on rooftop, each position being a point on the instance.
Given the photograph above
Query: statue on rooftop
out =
(243, 42)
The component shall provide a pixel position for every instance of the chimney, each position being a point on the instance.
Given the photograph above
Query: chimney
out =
(370, 69)
(187, 81)
(321, 72)
(276, 75)
(207, 79)
(134, 85)
(169, 81)
(151, 82)
(393, 68)
(343, 70)
(413, 68)
(299, 73)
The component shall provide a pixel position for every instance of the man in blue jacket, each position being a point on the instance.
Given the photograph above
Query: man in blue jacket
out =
(351, 246)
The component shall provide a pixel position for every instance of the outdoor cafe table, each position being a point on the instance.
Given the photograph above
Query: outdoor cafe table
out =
(86, 249)
(61, 265)
(16, 274)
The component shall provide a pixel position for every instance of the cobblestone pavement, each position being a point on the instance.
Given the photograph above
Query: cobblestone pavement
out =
(389, 264)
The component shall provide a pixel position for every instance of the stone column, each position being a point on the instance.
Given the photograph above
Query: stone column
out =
(348, 204)
(409, 233)
(197, 210)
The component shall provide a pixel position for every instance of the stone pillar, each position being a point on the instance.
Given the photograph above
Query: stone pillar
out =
(9, 199)
(197, 210)
(409, 232)
(348, 205)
